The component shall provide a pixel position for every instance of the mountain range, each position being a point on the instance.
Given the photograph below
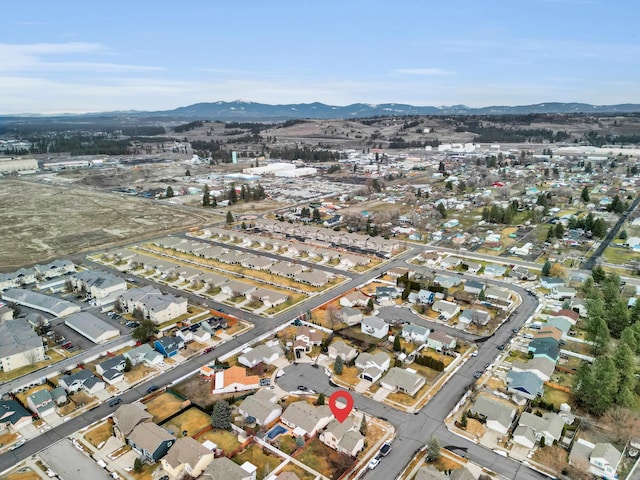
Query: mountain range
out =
(260, 112)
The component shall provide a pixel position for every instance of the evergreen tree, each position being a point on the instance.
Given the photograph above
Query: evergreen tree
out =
(598, 274)
(169, 192)
(316, 216)
(442, 209)
(363, 425)
(584, 196)
(338, 365)
(206, 201)
(598, 333)
(624, 361)
(433, 450)
(221, 415)
(617, 318)
(232, 195)
(397, 345)
(320, 400)
(605, 378)
(546, 268)
(144, 331)
(229, 218)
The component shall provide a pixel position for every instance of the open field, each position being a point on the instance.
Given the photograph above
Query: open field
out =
(42, 222)
(99, 434)
(226, 441)
(191, 421)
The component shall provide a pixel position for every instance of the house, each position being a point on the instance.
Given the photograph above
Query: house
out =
(224, 468)
(112, 369)
(497, 293)
(551, 282)
(168, 346)
(447, 281)
(235, 288)
(603, 458)
(570, 315)
(315, 278)
(287, 476)
(403, 381)
(20, 345)
(269, 298)
(545, 347)
(445, 308)
(41, 403)
(429, 258)
(344, 437)
(59, 396)
(143, 353)
(450, 262)
(234, 379)
(13, 416)
(261, 354)
(423, 297)
(547, 331)
(261, 406)
(549, 426)
(81, 380)
(472, 267)
(429, 472)
(307, 338)
(560, 323)
(44, 303)
(374, 326)
(440, 341)
(341, 349)
(354, 299)
(541, 366)
(154, 305)
(350, 316)
(186, 456)
(493, 270)
(497, 413)
(97, 284)
(562, 293)
(306, 419)
(415, 333)
(372, 365)
(525, 384)
(475, 315)
(127, 417)
(473, 286)
(151, 441)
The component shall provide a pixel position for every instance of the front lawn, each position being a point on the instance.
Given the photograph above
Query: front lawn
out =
(265, 461)
(99, 434)
(325, 460)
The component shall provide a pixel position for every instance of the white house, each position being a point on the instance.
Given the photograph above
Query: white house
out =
(344, 437)
(498, 413)
(261, 354)
(341, 349)
(19, 345)
(374, 326)
(440, 341)
(403, 381)
(445, 308)
(373, 366)
(262, 406)
(354, 299)
(415, 333)
(306, 419)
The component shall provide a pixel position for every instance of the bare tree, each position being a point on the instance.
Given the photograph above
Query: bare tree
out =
(622, 422)
(31, 356)
(332, 316)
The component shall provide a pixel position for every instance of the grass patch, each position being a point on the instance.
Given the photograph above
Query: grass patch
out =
(137, 373)
(146, 473)
(7, 438)
(196, 389)
(226, 441)
(287, 444)
(323, 459)
(27, 474)
(192, 421)
(99, 434)
(349, 375)
(557, 397)
(163, 406)
(620, 256)
(299, 471)
(265, 461)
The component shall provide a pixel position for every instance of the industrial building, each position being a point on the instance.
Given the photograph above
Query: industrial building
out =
(91, 327)
(44, 303)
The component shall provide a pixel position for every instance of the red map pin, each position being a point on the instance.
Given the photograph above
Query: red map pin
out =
(341, 403)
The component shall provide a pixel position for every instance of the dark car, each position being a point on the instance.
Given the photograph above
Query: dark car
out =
(478, 374)
(152, 388)
(500, 347)
(302, 388)
(115, 402)
(386, 448)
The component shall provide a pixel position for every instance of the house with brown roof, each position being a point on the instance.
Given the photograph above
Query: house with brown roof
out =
(186, 457)
(234, 379)
(307, 338)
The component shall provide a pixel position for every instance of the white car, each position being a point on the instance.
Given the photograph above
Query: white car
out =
(374, 463)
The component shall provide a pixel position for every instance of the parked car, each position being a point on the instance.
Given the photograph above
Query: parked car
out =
(478, 374)
(152, 388)
(386, 448)
(17, 445)
(374, 463)
(115, 402)
(302, 388)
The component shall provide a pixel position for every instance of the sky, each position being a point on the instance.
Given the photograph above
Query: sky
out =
(79, 56)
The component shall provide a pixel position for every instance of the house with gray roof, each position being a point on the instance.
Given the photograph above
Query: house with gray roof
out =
(127, 417)
(350, 316)
(445, 308)
(525, 384)
(429, 472)
(498, 293)
(81, 380)
(306, 419)
(475, 315)
(261, 406)
(549, 426)
(344, 437)
(498, 414)
(374, 326)
(19, 345)
(354, 299)
(373, 365)
(266, 354)
(473, 286)
(156, 306)
(447, 281)
(285, 269)
(315, 278)
(494, 270)
(236, 288)
(415, 333)
(224, 468)
(440, 341)
(13, 415)
(603, 458)
(143, 354)
(403, 381)
(91, 327)
(112, 369)
(186, 457)
(150, 441)
(269, 298)
(341, 349)
(97, 283)
(41, 402)
(545, 347)
(541, 366)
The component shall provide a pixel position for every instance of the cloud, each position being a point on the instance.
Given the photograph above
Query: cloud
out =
(423, 72)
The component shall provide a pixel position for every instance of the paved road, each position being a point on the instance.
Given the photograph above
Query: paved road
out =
(592, 260)
(413, 430)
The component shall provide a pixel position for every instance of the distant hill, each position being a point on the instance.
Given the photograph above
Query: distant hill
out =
(260, 112)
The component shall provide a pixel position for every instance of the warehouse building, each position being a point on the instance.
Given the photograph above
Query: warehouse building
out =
(91, 327)
(38, 301)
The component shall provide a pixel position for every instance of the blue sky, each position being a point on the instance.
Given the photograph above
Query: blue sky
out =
(84, 56)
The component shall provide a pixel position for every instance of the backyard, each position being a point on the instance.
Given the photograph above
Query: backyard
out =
(299, 471)
(321, 458)
(225, 440)
(198, 390)
(265, 461)
(163, 406)
(191, 421)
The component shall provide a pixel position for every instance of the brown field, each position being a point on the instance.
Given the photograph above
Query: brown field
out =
(163, 406)
(26, 475)
(42, 222)
(299, 471)
(323, 459)
(197, 390)
(99, 434)
(226, 441)
(264, 460)
(191, 421)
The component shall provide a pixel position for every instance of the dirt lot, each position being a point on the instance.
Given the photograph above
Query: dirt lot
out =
(42, 222)
(191, 421)
(163, 406)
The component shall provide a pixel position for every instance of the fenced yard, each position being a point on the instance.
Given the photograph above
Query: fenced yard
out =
(163, 406)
